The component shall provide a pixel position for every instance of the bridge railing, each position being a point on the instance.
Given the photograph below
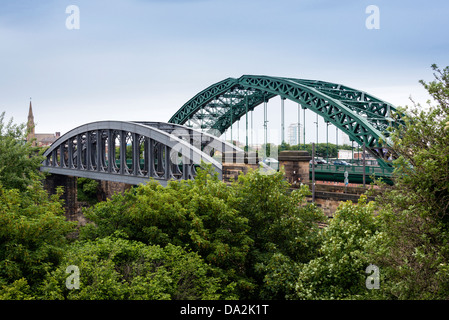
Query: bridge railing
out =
(369, 170)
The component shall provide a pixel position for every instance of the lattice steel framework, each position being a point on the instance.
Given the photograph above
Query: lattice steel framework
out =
(133, 152)
(363, 117)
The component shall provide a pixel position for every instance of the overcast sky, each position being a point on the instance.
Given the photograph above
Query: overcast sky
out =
(143, 59)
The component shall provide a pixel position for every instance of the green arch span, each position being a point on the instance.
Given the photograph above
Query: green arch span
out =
(363, 117)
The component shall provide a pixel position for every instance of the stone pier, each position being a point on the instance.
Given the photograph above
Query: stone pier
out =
(235, 162)
(73, 207)
(70, 194)
(296, 166)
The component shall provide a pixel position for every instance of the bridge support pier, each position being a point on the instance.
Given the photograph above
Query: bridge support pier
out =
(109, 188)
(73, 208)
(296, 166)
(70, 194)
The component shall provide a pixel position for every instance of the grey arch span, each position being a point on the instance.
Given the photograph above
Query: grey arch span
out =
(133, 152)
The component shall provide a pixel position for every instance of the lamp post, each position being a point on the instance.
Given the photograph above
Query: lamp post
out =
(304, 127)
(352, 150)
(313, 172)
(246, 118)
(327, 141)
(364, 173)
(299, 127)
(265, 121)
(282, 121)
(336, 135)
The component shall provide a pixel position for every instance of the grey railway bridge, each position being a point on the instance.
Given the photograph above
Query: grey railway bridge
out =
(135, 152)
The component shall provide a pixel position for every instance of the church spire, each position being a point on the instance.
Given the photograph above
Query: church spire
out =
(30, 113)
(30, 124)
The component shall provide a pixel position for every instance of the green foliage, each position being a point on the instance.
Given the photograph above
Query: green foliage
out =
(237, 228)
(87, 190)
(414, 252)
(322, 150)
(114, 268)
(32, 234)
(282, 226)
(192, 214)
(19, 161)
(338, 271)
(32, 225)
(18, 290)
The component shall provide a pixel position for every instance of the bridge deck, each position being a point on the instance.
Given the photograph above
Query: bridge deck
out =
(328, 172)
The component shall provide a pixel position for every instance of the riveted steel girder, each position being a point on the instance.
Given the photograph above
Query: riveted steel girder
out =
(363, 117)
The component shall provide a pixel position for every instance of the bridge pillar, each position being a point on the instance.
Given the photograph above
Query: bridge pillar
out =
(109, 188)
(296, 166)
(70, 194)
(235, 162)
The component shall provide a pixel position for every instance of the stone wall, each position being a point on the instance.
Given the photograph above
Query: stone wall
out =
(233, 163)
(295, 165)
(70, 194)
(108, 188)
(329, 197)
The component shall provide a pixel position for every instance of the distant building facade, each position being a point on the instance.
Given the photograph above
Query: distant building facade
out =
(41, 139)
(292, 134)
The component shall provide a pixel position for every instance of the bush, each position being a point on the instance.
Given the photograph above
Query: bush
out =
(113, 268)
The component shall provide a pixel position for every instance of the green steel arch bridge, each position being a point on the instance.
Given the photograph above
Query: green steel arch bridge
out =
(362, 116)
(166, 151)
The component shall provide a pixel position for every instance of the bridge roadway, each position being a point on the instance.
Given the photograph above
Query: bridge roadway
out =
(330, 172)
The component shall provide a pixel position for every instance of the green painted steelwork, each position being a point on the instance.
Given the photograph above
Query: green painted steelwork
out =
(363, 117)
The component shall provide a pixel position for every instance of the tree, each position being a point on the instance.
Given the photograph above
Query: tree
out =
(87, 190)
(414, 252)
(338, 270)
(114, 268)
(19, 160)
(33, 228)
(284, 229)
(238, 229)
(194, 214)
(322, 150)
(33, 233)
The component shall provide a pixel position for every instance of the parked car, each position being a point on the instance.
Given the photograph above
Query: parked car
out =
(341, 163)
(272, 163)
(318, 161)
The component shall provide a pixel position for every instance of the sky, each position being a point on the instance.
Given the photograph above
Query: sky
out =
(143, 59)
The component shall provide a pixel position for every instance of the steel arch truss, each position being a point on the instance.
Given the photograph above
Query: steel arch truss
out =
(132, 152)
(363, 117)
